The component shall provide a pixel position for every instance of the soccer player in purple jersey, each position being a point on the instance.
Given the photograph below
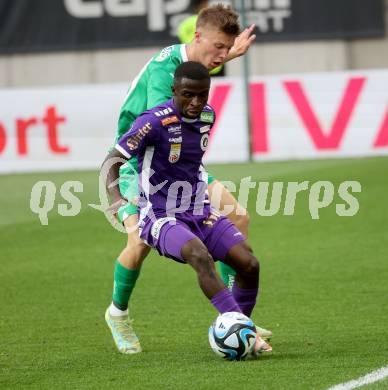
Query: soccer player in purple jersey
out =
(216, 41)
(175, 214)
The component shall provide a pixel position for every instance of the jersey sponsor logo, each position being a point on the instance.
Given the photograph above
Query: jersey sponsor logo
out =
(131, 145)
(164, 112)
(169, 120)
(175, 152)
(204, 129)
(174, 129)
(133, 141)
(164, 54)
(158, 224)
(207, 117)
(175, 140)
(204, 142)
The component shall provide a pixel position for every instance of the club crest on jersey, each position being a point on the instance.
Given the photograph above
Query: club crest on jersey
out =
(164, 112)
(175, 152)
(204, 142)
(169, 120)
(212, 219)
(207, 117)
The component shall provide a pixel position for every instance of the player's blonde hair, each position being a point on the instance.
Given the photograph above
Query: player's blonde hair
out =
(221, 17)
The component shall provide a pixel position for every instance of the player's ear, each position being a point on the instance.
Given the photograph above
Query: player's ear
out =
(197, 36)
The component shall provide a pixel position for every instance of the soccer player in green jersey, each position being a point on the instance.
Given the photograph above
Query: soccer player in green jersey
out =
(217, 39)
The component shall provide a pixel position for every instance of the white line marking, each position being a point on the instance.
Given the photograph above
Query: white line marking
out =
(374, 376)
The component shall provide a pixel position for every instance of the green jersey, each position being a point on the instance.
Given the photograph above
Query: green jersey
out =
(152, 86)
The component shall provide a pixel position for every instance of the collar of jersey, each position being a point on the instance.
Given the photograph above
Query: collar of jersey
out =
(189, 120)
(184, 53)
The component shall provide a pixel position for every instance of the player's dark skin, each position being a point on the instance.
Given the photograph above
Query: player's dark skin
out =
(190, 97)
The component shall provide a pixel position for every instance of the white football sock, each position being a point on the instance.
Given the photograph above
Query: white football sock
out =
(115, 312)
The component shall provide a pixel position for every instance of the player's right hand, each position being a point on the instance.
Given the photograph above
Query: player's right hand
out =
(242, 43)
(114, 208)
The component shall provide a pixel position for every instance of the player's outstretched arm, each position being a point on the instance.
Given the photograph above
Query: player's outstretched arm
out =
(242, 43)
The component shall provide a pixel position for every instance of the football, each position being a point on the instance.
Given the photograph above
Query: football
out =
(232, 336)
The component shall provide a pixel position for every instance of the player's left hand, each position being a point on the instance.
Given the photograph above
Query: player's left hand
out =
(242, 43)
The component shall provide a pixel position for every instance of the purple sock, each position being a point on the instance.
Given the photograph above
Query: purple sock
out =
(224, 301)
(245, 298)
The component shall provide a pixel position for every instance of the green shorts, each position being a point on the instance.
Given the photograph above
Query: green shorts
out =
(128, 183)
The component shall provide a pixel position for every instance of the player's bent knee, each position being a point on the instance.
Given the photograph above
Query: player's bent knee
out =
(197, 255)
(137, 247)
(134, 240)
(251, 266)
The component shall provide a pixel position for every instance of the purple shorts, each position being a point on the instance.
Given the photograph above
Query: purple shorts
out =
(169, 235)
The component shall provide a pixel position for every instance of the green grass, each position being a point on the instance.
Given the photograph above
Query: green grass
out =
(324, 292)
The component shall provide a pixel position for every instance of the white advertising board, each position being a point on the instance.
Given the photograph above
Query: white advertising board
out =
(292, 116)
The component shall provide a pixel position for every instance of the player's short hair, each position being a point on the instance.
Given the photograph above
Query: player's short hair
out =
(220, 16)
(191, 70)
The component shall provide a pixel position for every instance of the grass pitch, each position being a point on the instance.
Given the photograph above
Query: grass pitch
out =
(324, 292)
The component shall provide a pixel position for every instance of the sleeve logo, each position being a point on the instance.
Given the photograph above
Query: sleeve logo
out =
(207, 117)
